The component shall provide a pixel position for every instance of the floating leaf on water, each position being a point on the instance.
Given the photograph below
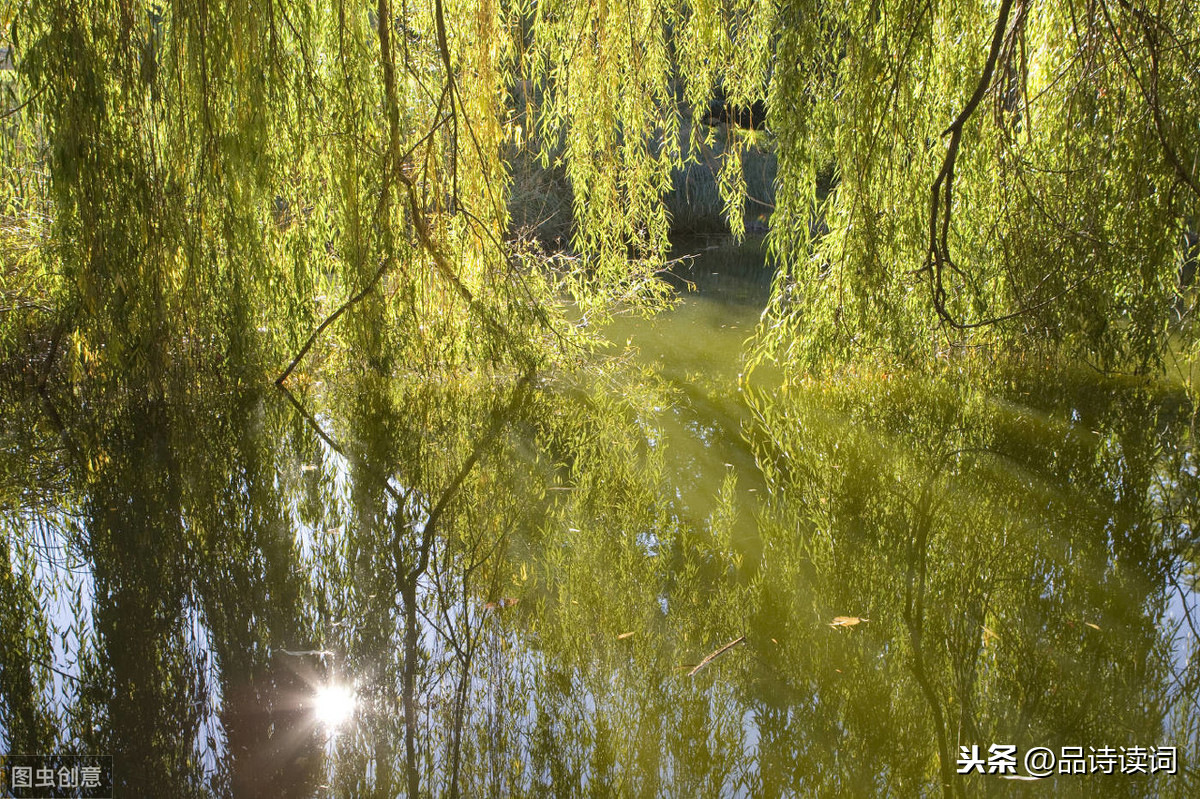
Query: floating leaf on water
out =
(846, 621)
(623, 636)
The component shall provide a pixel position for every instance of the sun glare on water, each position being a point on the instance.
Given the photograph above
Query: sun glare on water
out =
(333, 705)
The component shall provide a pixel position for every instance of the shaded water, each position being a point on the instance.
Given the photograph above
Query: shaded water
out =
(530, 586)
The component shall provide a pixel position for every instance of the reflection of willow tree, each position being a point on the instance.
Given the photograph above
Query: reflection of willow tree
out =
(28, 476)
(504, 574)
(230, 538)
(490, 653)
(1014, 552)
(189, 586)
(982, 535)
(427, 510)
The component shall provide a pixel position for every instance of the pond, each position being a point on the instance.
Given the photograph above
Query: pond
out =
(649, 577)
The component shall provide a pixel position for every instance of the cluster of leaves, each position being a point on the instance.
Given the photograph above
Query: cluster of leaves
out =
(226, 177)
(1017, 175)
(223, 178)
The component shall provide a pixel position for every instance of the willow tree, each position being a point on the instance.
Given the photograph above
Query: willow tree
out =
(1016, 173)
(224, 177)
(261, 178)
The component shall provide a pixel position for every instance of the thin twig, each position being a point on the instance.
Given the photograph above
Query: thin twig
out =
(15, 109)
(740, 639)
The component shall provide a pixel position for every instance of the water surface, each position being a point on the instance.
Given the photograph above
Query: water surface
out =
(643, 579)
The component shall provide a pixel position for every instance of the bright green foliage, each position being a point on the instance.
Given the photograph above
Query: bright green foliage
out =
(1059, 219)
(224, 177)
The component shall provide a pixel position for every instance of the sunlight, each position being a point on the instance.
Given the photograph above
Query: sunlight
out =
(333, 705)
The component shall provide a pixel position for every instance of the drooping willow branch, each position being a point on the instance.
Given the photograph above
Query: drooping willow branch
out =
(394, 170)
(1150, 93)
(391, 167)
(446, 269)
(942, 191)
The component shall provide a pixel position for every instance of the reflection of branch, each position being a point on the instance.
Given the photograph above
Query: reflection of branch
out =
(914, 618)
(321, 653)
(401, 499)
(499, 418)
(56, 670)
(1187, 613)
(1185, 690)
(408, 585)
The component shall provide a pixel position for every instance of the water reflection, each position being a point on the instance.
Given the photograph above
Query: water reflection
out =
(530, 584)
(333, 705)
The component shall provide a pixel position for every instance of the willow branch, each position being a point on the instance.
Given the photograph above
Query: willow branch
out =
(942, 191)
(439, 17)
(394, 167)
(1150, 95)
(329, 320)
(15, 109)
(446, 269)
